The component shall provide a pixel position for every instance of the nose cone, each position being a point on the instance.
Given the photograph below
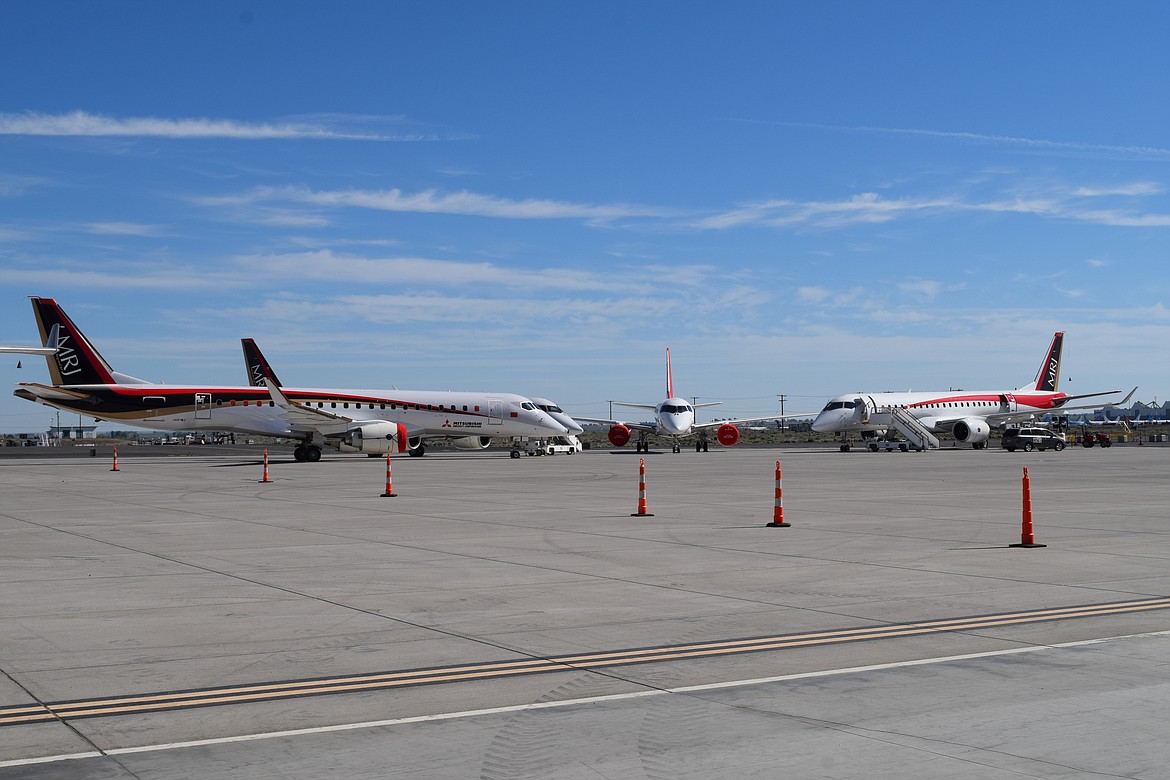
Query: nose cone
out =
(558, 414)
(826, 422)
(676, 424)
(571, 425)
(549, 426)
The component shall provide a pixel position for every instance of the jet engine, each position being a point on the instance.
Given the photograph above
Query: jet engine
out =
(727, 434)
(375, 438)
(972, 430)
(619, 435)
(472, 443)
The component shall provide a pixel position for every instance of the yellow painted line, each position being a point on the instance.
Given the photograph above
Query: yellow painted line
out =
(124, 705)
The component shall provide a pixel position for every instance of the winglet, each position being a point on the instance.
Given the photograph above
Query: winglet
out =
(279, 398)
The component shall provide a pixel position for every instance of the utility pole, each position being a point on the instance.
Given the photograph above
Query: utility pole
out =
(783, 398)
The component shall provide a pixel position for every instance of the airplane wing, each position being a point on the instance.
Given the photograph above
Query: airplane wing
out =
(742, 420)
(999, 418)
(633, 426)
(29, 350)
(45, 350)
(304, 419)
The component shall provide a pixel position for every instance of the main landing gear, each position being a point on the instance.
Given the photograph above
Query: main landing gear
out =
(307, 453)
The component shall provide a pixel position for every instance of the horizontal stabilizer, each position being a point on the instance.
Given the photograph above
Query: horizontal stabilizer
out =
(48, 393)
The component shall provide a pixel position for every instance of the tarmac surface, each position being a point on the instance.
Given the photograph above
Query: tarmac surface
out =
(503, 618)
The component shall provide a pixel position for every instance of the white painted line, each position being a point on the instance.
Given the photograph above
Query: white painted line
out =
(573, 702)
(49, 759)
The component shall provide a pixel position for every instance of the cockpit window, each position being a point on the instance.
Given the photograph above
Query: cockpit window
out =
(527, 405)
(831, 405)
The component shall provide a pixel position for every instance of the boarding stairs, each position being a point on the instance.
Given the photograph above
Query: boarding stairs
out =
(917, 434)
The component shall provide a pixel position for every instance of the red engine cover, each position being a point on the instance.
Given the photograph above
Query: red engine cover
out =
(619, 435)
(727, 435)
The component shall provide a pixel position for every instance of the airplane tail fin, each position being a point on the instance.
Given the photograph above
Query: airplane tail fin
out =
(260, 373)
(669, 378)
(1048, 375)
(75, 361)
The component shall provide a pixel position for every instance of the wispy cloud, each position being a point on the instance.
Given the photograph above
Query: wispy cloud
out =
(434, 202)
(1039, 144)
(81, 123)
(872, 208)
(1135, 189)
(124, 229)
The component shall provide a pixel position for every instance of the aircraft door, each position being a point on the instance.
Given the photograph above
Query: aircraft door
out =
(203, 406)
(863, 408)
(495, 411)
(1007, 402)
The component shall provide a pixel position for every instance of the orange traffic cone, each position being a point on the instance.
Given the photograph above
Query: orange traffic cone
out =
(266, 479)
(778, 510)
(641, 490)
(389, 481)
(1027, 535)
(115, 468)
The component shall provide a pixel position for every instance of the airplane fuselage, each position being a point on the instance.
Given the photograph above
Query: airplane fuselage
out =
(674, 417)
(870, 411)
(252, 410)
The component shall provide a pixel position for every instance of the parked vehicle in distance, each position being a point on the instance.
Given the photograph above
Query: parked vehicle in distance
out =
(1089, 439)
(1028, 439)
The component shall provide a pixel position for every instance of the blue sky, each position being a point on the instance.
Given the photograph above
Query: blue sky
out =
(806, 198)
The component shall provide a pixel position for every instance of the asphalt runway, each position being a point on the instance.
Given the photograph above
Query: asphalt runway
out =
(503, 618)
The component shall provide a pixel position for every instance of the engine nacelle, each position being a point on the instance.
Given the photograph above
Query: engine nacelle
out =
(619, 435)
(375, 438)
(472, 443)
(971, 430)
(727, 434)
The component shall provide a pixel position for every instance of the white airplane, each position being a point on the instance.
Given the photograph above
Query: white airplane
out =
(968, 416)
(261, 374)
(370, 421)
(673, 418)
(558, 414)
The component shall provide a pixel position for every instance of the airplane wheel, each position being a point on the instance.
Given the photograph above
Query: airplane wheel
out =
(299, 454)
(312, 453)
(844, 448)
(418, 451)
